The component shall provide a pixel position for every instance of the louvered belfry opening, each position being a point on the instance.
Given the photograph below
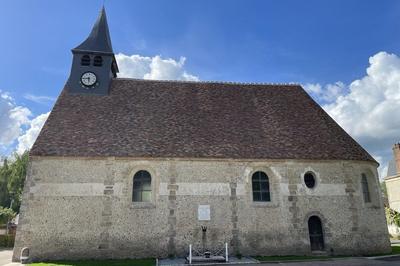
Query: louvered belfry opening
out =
(85, 60)
(98, 61)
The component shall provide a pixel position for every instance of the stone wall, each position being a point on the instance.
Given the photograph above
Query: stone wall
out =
(82, 208)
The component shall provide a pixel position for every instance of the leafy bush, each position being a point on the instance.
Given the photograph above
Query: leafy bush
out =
(392, 216)
(6, 214)
(7, 241)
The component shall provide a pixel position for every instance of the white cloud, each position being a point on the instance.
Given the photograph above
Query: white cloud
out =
(12, 119)
(368, 108)
(143, 67)
(26, 141)
(39, 99)
(327, 94)
(15, 123)
(16, 127)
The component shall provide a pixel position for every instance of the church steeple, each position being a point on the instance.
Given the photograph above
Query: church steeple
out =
(99, 39)
(94, 65)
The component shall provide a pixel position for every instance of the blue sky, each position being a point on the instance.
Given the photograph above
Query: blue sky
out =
(308, 42)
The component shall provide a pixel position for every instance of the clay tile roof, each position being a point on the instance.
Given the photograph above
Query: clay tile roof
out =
(144, 118)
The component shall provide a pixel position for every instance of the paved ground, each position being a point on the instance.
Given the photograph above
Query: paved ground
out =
(344, 262)
(5, 256)
(182, 261)
(389, 261)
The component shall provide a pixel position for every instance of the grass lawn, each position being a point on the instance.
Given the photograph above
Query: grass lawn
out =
(152, 262)
(289, 258)
(127, 262)
(395, 251)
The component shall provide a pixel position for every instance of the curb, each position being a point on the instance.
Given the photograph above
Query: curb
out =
(249, 261)
(333, 259)
(383, 257)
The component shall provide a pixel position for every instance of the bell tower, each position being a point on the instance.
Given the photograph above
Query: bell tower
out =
(93, 65)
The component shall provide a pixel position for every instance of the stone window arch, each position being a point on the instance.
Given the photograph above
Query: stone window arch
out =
(260, 186)
(141, 191)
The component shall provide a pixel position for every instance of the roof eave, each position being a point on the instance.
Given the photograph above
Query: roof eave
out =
(76, 50)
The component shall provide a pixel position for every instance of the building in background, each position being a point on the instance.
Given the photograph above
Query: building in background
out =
(392, 179)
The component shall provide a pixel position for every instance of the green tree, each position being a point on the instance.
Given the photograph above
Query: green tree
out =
(6, 214)
(392, 216)
(17, 174)
(12, 177)
(4, 174)
(383, 189)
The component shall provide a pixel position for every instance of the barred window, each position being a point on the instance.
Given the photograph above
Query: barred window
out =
(141, 187)
(365, 188)
(260, 185)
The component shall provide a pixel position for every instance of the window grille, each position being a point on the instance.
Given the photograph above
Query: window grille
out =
(260, 185)
(141, 187)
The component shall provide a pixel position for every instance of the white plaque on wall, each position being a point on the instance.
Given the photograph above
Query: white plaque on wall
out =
(203, 213)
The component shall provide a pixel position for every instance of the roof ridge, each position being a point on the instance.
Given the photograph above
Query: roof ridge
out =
(214, 81)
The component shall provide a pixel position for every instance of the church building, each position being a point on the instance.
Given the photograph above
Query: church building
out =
(133, 168)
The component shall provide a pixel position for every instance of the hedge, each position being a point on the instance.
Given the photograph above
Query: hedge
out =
(7, 241)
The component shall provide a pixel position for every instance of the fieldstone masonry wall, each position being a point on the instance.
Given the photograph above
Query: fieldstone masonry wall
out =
(172, 188)
(235, 242)
(82, 208)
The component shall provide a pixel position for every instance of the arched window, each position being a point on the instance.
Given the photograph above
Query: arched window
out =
(85, 60)
(365, 188)
(316, 233)
(141, 187)
(260, 185)
(98, 61)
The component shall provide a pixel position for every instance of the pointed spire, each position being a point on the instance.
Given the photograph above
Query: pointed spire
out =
(99, 39)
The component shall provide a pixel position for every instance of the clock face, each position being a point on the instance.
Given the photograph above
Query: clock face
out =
(88, 79)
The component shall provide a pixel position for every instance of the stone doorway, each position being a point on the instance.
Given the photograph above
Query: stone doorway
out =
(316, 234)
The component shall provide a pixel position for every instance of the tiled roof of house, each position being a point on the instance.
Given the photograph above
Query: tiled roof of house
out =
(145, 118)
